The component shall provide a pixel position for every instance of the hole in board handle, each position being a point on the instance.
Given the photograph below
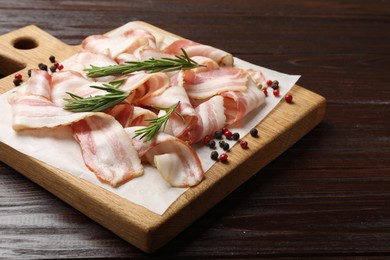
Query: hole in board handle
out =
(24, 43)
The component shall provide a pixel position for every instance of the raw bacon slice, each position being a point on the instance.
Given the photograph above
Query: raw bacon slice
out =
(30, 111)
(211, 117)
(175, 159)
(141, 116)
(84, 59)
(38, 84)
(107, 150)
(210, 83)
(239, 103)
(257, 77)
(113, 46)
(196, 49)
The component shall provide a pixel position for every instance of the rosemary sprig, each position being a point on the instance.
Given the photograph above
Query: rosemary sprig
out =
(97, 103)
(152, 65)
(150, 131)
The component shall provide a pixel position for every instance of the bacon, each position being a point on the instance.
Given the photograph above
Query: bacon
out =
(175, 159)
(210, 83)
(141, 116)
(107, 150)
(123, 113)
(257, 77)
(84, 59)
(113, 46)
(211, 117)
(38, 84)
(196, 49)
(239, 103)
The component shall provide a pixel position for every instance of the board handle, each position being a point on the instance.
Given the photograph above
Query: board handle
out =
(25, 48)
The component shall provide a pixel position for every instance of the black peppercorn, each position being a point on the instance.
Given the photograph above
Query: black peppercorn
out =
(212, 144)
(42, 66)
(236, 136)
(214, 155)
(275, 84)
(221, 143)
(218, 134)
(52, 58)
(17, 81)
(29, 72)
(226, 146)
(254, 132)
(53, 68)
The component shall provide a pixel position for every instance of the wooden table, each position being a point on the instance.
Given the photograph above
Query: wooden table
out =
(328, 195)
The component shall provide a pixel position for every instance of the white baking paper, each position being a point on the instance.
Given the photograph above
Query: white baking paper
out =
(56, 147)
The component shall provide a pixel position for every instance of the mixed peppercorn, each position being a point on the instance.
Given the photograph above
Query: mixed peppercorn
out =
(18, 78)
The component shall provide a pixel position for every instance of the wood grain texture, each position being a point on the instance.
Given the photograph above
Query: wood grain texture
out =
(326, 196)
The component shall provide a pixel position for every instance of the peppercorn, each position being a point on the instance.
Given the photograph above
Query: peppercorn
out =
(236, 136)
(244, 144)
(52, 58)
(60, 66)
(228, 134)
(223, 157)
(221, 143)
(214, 155)
(265, 92)
(42, 66)
(18, 76)
(29, 72)
(212, 144)
(275, 84)
(225, 146)
(53, 68)
(207, 139)
(218, 135)
(288, 98)
(276, 92)
(17, 81)
(254, 132)
(269, 83)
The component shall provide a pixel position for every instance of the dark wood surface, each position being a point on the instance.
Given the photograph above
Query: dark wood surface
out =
(328, 195)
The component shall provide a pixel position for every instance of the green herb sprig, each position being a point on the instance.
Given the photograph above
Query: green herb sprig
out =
(152, 65)
(150, 131)
(97, 103)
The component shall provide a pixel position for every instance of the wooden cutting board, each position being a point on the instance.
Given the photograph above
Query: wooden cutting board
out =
(23, 49)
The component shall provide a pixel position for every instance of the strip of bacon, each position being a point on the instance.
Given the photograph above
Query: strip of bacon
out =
(107, 150)
(211, 117)
(210, 83)
(239, 103)
(175, 159)
(196, 49)
(141, 116)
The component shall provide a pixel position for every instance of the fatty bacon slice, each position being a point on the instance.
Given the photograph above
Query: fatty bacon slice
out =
(175, 159)
(112, 46)
(209, 83)
(211, 117)
(171, 96)
(107, 150)
(239, 103)
(196, 49)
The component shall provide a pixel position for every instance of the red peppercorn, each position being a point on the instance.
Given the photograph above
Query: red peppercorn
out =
(223, 157)
(265, 92)
(288, 98)
(269, 83)
(60, 66)
(207, 139)
(224, 129)
(276, 92)
(244, 144)
(228, 134)
(56, 64)
(18, 76)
